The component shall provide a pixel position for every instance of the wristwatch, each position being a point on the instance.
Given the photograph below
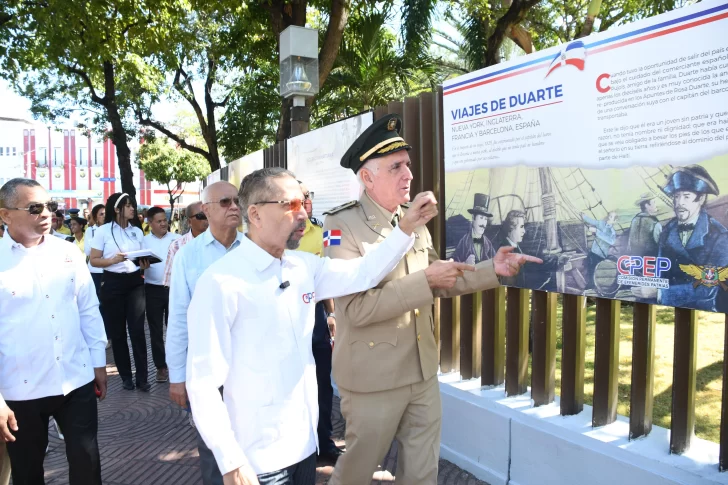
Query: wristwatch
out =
(332, 314)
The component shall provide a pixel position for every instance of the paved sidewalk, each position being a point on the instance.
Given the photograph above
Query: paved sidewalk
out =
(146, 439)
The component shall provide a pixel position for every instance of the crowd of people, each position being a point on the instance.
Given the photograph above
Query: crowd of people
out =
(250, 320)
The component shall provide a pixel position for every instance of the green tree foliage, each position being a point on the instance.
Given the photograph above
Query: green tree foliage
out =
(217, 48)
(171, 166)
(372, 69)
(89, 57)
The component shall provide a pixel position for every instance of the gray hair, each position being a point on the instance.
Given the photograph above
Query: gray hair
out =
(188, 209)
(257, 186)
(9, 191)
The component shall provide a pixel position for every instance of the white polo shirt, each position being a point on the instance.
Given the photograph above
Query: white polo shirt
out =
(51, 332)
(159, 246)
(118, 241)
(253, 337)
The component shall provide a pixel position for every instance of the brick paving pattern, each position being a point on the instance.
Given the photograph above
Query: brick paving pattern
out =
(144, 438)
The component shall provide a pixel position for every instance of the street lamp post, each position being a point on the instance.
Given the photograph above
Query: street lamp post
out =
(299, 73)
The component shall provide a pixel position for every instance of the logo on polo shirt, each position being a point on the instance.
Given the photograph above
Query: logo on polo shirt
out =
(309, 297)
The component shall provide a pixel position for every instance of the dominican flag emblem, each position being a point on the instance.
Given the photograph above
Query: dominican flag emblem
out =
(573, 54)
(332, 238)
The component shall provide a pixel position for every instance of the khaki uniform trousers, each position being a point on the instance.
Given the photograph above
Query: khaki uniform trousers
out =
(410, 414)
(4, 464)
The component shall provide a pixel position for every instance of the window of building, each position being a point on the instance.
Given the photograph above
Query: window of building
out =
(82, 160)
(98, 159)
(2, 152)
(57, 156)
(15, 153)
(42, 157)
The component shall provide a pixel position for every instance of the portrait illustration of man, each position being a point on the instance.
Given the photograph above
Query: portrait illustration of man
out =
(474, 247)
(692, 237)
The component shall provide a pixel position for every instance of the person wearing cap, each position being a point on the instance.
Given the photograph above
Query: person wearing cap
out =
(645, 230)
(692, 237)
(122, 288)
(474, 247)
(324, 329)
(77, 225)
(605, 237)
(385, 359)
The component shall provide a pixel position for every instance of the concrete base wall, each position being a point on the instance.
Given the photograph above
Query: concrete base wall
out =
(505, 441)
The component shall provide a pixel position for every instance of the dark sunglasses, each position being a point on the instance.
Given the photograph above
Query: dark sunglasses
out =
(37, 209)
(200, 216)
(294, 204)
(226, 202)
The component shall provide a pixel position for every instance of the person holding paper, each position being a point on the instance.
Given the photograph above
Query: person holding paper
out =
(157, 295)
(122, 291)
(251, 322)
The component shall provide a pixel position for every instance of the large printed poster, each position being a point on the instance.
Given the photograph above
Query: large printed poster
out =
(314, 157)
(238, 169)
(606, 157)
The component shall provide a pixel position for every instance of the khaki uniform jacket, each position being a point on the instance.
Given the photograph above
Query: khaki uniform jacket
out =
(385, 336)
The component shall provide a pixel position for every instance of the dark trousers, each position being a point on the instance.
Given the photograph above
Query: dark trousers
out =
(77, 417)
(97, 277)
(157, 297)
(322, 356)
(123, 304)
(208, 466)
(302, 473)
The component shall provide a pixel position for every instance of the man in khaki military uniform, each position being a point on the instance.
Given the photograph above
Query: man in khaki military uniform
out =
(385, 358)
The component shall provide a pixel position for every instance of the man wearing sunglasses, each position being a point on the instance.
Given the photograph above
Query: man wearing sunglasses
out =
(52, 341)
(197, 220)
(385, 362)
(251, 323)
(221, 206)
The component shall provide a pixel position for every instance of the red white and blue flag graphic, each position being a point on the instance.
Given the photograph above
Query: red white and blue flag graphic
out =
(332, 238)
(574, 54)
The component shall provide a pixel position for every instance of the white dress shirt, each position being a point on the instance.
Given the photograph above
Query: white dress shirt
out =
(118, 241)
(159, 246)
(51, 332)
(89, 237)
(253, 337)
(189, 264)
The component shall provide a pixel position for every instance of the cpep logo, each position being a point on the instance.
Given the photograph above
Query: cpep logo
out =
(309, 297)
(651, 266)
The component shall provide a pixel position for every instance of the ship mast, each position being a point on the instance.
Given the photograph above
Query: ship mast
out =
(548, 199)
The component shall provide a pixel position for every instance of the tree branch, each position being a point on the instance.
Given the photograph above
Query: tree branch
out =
(171, 135)
(87, 80)
(514, 16)
(332, 41)
(185, 89)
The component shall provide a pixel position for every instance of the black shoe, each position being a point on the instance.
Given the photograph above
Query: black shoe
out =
(331, 453)
(127, 384)
(144, 386)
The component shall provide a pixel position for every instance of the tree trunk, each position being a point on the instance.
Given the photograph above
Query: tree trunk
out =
(118, 134)
(591, 16)
(211, 132)
(171, 202)
(514, 16)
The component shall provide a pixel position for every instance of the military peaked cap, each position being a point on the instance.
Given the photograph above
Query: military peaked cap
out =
(380, 139)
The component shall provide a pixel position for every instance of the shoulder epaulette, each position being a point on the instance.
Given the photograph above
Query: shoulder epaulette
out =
(348, 205)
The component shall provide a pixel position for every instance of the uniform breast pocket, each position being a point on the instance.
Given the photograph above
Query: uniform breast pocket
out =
(374, 335)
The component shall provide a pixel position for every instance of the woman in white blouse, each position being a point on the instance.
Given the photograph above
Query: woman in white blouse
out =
(122, 290)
